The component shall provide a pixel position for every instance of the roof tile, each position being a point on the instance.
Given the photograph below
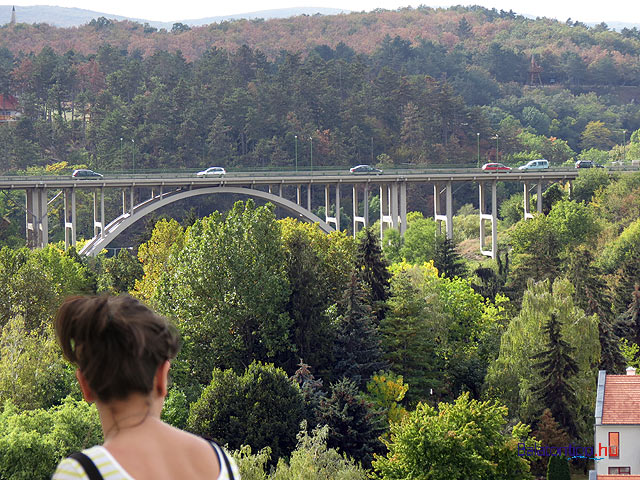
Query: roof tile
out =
(621, 401)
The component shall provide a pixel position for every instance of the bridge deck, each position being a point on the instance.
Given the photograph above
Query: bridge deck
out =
(287, 178)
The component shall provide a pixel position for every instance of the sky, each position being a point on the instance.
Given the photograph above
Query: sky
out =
(164, 11)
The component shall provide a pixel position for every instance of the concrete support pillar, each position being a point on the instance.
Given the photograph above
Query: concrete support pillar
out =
(280, 191)
(357, 218)
(298, 194)
(365, 201)
(30, 218)
(491, 217)
(37, 224)
(124, 201)
(449, 195)
(44, 219)
(386, 219)
(570, 187)
(527, 202)
(337, 206)
(539, 197)
(309, 197)
(131, 197)
(393, 206)
(447, 217)
(98, 213)
(269, 187)
(69, 217)
(327, 205)
(403, 208)
(437, 216)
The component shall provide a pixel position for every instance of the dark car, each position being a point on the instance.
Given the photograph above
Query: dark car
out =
(495, 167)
(365, 169)
(587, 164)
(85, 173)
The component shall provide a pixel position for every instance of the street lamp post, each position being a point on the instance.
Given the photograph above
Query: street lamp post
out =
(311, 138)
(497, 149)
(296, 137)
(371, 150)
(478, 137)
(133, 140)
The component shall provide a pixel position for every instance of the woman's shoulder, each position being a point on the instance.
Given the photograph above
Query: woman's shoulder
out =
(70, 468)
(228, 467)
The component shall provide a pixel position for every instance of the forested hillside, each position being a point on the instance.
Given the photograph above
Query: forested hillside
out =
(417, 86)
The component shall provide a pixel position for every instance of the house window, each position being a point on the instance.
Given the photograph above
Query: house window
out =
(614, 445)
(619, 470)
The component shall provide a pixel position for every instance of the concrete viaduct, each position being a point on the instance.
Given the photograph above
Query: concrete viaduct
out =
(168, 188)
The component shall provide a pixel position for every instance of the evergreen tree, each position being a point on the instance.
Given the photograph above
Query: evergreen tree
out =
(357, 350)
(312, 393)
(629, 323)
(492, 282)
(557, 366)
(448, 262)
(373, 270)
(591, 295)
(625, 280)
(558, 469)
(354, 426)
(464, 29)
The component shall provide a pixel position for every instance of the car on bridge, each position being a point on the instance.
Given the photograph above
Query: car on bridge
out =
(85, 173)
(495, 167)
(535, 165)
(365, 169)
(587, 164)
(212, 171)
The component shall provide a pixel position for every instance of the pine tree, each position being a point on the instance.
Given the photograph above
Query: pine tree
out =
(373, 270)
(557, 367)
(492, 282)
(629, 321)
(358, 350)
(354, 425)
(558, 469)
(311, 392)
(448, 262)
(625, 280)
(464, 29)
(591, 295)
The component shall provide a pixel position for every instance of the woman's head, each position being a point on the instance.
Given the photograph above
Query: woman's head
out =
(116, 342)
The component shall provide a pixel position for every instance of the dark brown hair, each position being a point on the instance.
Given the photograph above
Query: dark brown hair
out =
(117, 343)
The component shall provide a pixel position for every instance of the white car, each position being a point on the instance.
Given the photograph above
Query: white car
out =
(211, 171)
(541, 164)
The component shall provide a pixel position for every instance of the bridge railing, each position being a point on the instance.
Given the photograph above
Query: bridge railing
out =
(155, 174)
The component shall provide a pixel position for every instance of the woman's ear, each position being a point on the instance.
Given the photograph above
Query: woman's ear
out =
(87, 393)
(161, 380)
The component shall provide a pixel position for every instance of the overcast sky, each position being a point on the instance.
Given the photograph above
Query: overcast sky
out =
(584, 10)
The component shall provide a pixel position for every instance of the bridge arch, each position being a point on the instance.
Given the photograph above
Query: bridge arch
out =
(121, 223)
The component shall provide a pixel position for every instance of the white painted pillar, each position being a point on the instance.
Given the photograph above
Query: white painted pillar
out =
(393, 207)
(403, 208)
(539, 198)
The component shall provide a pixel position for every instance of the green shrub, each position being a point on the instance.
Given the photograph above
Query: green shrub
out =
(32, 442)
(261, 408)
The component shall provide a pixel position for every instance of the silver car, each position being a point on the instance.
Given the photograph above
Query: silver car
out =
(212, 171)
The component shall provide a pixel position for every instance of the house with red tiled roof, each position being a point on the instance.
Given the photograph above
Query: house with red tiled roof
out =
(9, 108)
(617, 427)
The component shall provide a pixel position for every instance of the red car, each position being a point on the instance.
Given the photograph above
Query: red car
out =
(495, 167)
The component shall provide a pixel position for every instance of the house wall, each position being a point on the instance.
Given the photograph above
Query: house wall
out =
(629, 448)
